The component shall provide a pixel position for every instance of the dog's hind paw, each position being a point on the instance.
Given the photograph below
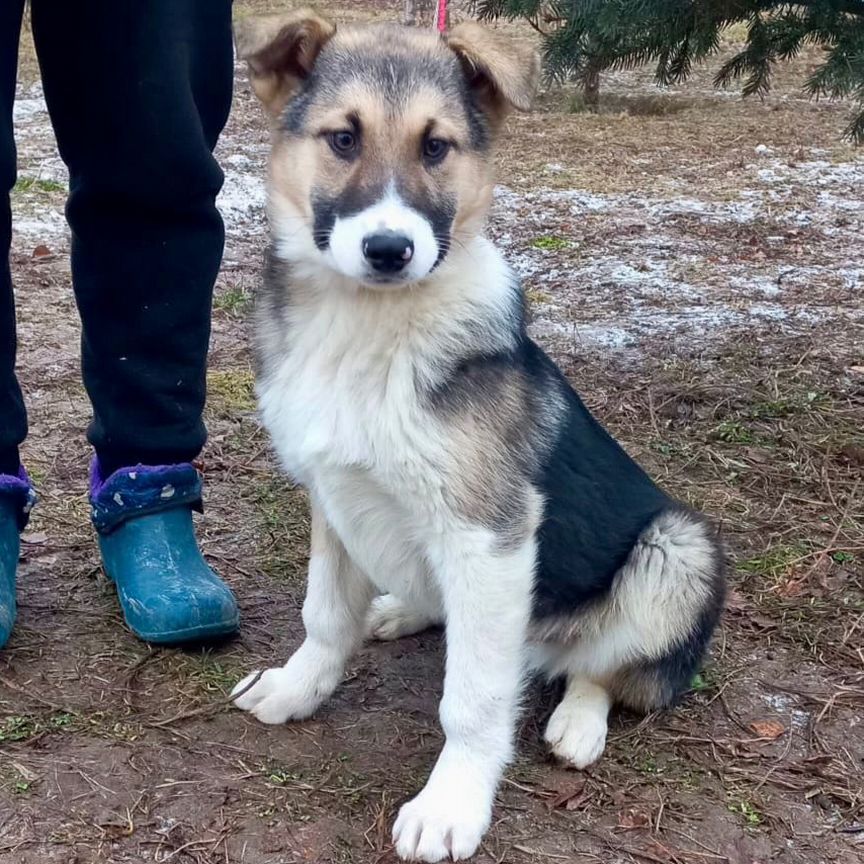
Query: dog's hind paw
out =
(576, 735)
(390, 618)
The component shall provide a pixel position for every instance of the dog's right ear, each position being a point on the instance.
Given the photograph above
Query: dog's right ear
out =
(281, 51)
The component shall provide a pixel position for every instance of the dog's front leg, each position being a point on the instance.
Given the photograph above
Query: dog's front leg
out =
(487, 602)
(338, 595)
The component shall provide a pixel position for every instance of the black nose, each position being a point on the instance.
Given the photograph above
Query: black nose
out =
(387, 251)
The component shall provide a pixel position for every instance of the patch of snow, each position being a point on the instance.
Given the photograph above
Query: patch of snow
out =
(767, 287)
(800, 718)
(770, 313)
(832, 202)
(242, 199)
(778, 701)
(48, 224)
(29, 107)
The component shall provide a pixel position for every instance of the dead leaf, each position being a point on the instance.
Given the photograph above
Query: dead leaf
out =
(736, 602)
(791, 588)
(853, 454)
(660, 852)
(34, 539)
(770, 729)
(41, 251)
(632, 819)
(568, 797)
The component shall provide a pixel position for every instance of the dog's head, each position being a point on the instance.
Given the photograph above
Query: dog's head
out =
(382, 137)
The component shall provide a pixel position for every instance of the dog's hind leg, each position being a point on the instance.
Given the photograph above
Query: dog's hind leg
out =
(576, 731)
(334, 612)
(392, 618)
(640, 645)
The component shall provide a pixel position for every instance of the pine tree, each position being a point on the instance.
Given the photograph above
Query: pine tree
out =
(584, 37)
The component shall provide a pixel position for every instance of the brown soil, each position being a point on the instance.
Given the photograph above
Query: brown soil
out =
(114, 752)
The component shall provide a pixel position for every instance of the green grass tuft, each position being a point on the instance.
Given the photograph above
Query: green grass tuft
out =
(550, 242)
(231, 391)
(775, 560)
(35, 185)
(748, 811)
(732, 432)
(22, 727)
(234, 301)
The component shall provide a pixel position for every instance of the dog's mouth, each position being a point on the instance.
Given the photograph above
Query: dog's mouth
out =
(387, 244)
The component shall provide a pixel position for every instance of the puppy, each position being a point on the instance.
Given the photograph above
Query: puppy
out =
(455, 477)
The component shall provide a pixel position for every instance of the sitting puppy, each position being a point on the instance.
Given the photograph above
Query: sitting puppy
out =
(455, 477)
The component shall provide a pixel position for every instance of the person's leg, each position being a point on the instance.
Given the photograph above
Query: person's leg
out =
(138, 94)
(13, 421)
(14, 486)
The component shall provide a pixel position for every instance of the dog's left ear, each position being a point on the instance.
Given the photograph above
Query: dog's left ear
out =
(501, 71)
(281, 51)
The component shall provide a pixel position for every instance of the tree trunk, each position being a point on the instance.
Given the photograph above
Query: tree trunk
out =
(591, 88)
(419, 12)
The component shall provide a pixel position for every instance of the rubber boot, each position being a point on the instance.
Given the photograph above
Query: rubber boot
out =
(16, 500)
(168, 593)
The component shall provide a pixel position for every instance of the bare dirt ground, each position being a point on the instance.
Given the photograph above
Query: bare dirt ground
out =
(695, 263)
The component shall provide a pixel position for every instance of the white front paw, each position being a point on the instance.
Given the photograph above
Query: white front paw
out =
(277, 697)
(293, 691)
(576, 735)
(441, 823)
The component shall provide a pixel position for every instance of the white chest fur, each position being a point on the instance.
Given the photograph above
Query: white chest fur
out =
(341, 383)
(342, 396)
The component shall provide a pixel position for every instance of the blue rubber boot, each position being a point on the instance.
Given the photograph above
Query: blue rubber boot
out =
(16, 499)
(167, 591)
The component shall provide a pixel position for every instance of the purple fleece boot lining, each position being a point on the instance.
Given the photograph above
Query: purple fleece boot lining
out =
(139, 490)
(18, 487)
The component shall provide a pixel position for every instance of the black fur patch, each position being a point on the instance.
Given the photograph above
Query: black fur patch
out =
(271, 302)
(598, 503)
(354, 199)
(324, 218)
(326, 209)
(439, 212)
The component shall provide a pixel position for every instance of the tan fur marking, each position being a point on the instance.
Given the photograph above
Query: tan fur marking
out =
(280, 50)
(504, 72)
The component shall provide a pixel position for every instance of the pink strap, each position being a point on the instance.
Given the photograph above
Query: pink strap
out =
(442, 15)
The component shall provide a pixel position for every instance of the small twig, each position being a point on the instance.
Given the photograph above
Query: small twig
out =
(843, 516)
(64, 708)
(208, 709)
(828, 551)
(526, 851)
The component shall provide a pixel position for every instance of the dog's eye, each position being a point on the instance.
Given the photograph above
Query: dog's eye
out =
(435, 149)
(342, 143)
